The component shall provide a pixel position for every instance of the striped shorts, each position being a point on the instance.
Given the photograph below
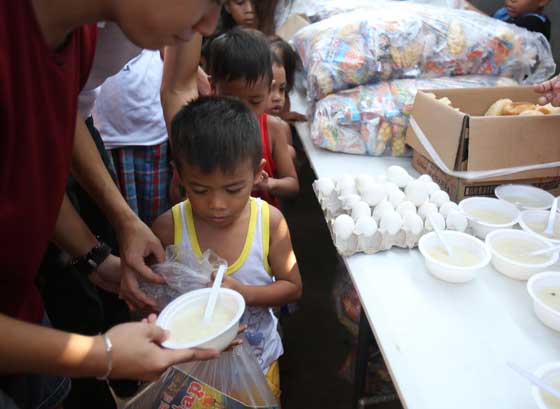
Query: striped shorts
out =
(143, 176)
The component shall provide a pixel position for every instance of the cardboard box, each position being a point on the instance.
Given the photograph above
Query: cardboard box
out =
(459, 189)
(465, 140)
(293, 24)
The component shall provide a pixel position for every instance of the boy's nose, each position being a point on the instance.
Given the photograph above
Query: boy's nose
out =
(217, 202)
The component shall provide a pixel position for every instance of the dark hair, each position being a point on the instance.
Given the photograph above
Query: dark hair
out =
(215, 132)
(240, 54)
(289, 58)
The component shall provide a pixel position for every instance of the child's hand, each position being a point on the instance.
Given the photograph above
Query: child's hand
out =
(232, 284)
(263, 184)
(551, 91)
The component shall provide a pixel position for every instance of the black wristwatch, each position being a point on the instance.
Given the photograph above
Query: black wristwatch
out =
(88, 263)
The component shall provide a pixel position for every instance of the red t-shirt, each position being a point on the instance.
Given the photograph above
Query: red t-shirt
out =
(39, 88)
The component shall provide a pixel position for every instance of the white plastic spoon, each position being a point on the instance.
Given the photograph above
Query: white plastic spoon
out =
(551, 218)
(541, 383)
(544, 251)
(437, 231)
(213, 298)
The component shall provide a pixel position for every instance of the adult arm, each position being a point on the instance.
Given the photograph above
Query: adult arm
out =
(31, 348)
(136, 240)
(181, 75)
(73, 236)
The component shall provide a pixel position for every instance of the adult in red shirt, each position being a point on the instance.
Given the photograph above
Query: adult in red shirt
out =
(46, 54)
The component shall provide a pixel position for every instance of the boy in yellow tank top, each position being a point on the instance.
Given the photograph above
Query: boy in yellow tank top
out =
(217, 155)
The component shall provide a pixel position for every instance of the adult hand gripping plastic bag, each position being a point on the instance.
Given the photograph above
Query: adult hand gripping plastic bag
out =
(373, 119)
(403, 40)
(233, 381)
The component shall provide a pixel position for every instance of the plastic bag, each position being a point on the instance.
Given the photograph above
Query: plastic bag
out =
(183, 272)
(316, 10)
(232, 381)
(373, 119)
(404, 40)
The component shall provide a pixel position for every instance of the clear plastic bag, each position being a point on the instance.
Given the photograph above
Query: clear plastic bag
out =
(232, 381)
(316, 10)
(373, 119)
(403, 40)
(183, 272)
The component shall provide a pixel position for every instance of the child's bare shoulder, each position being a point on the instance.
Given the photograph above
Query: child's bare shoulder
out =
(276, 218)
(164, 228)
(277, 126)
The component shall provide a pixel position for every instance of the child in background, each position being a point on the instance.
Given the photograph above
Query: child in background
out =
(239, 65)
(239, 13)
(523, 13)
(217, 155)
(290, 61)
(130, 120)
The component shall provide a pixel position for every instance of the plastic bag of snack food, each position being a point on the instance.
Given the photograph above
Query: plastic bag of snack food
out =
(373, 119)
(233, 381)
(406, 40)
(183, 272)
(316, 10)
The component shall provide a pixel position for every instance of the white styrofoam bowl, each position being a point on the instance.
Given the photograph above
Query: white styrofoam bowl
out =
(450, 273)
(549, 316)
(512, 268)
(517, 193)
(548, 372)
(219, 341)
(539, 217)
(480, 227)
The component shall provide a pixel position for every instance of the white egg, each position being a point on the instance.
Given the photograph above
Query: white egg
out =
(391, 187)
(396, 197)
(413, 223)
(383, 207)
(447, 208)
(439, 198)
(426, 209)
(425, 178)
(343, 226)
(391, 222)
(325, 186)
(360, 209)
(432, 187)
(457, 221)
(417, 192)
(348, 190)
(346, 185)
(365, 226)
(349, 200)
(435, 218)
(374, 194)
(363, 182)
(396, 174)
(406, 207)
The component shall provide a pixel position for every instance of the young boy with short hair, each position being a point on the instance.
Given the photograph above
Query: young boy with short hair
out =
(240, 65)
(217, 156)
(523, 13)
